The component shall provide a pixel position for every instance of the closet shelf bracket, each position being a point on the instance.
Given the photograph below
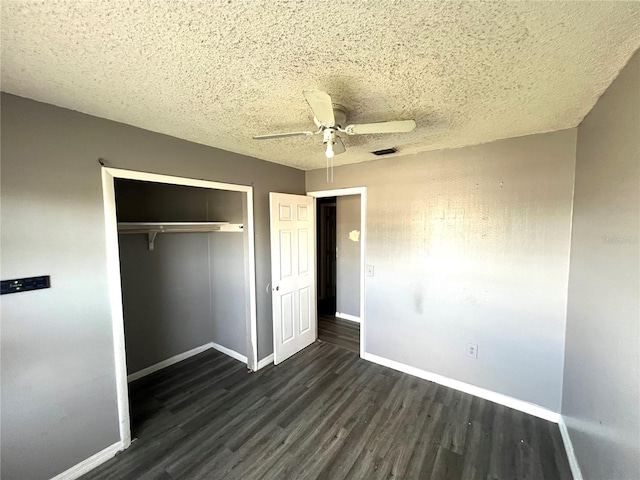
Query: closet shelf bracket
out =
(152, 239)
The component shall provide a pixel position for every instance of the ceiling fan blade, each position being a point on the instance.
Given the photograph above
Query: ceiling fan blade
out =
(399, 126)
(338, 147)
(281, 135)
(321, 105)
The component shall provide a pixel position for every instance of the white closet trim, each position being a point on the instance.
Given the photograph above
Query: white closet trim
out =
(113, 273)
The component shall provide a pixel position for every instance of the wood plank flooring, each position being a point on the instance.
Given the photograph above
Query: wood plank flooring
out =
(337, 331)
(324, 413)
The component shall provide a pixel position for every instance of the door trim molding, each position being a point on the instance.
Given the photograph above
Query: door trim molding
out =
(340, 192)
(115, 288)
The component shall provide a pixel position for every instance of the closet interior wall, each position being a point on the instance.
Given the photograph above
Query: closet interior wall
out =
(189, 290)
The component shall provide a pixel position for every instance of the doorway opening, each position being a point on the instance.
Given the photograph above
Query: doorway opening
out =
(171, 255)
(340, 256)
(326, 255)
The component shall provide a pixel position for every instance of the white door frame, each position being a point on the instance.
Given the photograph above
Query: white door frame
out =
(115, 288)
(362, 191)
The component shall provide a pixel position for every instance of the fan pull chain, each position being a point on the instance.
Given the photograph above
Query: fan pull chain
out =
(327, 169)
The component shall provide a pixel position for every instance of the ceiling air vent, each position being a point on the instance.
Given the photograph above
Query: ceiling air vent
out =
(386, 151)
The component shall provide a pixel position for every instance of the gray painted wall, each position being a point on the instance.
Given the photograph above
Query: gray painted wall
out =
(58, 375)
(228, 309)
(601, 398)
(157, 202)
(226, 269)
(348, 259)
(471, 245)
(190, 289)
(166, 296)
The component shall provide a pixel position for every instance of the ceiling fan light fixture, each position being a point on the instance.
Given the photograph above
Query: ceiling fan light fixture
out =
(329, 139)
(329, 153)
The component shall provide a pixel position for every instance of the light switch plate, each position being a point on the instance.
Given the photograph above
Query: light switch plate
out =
(369, 270)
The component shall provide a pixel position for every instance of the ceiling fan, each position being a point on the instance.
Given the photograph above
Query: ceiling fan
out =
(331, 119)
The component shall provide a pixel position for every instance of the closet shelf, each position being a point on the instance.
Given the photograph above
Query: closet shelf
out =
(154, 228)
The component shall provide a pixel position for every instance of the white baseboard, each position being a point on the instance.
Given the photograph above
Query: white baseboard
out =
(183, 356)
(346, 316)
(568, 447)
(90, 463)
(168, 362)
(268, 360)
(507, 401)
(228, 351)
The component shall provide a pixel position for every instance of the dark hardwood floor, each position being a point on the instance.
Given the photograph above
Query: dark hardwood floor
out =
(324, 413)
(337, 331)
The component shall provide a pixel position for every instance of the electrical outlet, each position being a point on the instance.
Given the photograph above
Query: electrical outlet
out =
(472, 350)
(369, 270)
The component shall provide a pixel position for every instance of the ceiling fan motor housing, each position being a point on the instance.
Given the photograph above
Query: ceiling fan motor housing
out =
(329, 135)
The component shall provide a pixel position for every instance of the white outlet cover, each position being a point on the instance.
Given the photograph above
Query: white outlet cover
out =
(472, 350)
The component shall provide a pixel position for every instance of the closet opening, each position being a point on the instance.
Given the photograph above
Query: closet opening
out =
(182, 281)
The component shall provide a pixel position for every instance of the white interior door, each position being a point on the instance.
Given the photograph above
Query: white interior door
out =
(293, 277)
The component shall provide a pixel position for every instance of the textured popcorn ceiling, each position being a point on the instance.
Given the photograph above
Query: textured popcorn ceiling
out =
(220, 72)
